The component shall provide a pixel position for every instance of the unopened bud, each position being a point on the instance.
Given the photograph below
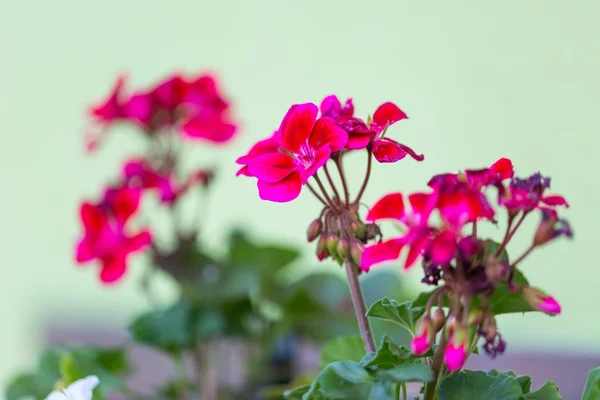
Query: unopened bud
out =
(372, 231)
(332, 241)
(322, 244)
(343, 248)
(475, 317)
(356, 250)
(424, 337)
(359, 229)
(550, 228)
(541, 301)
(438, 318)
(314, 230)
(455, 354)
(451, 322)
(322, 255)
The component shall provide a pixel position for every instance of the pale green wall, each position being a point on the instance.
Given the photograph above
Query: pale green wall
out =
(480, 80)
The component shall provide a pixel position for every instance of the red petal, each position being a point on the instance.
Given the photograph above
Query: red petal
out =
(92, 217)
(325, 132)
(503, 168)
(113, 268)
(271, 167)
(112, 107)
(209, 126)
(417, 246)
(137, 242)
(331, 106)
(443, 248)
(388, 114)
(380, 252)
(322, 155)
(297, 125)
(555, 200)
(84, 251)
(283, 191)
(390, 206)
(358, 141)
(123, 202)
(387, 151)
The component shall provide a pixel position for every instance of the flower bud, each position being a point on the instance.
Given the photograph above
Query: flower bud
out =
(356, 250)
(322, 255)
(438, 318)
(488, 327)
(322, 244)
(314, 230)
(332, 241)
(451, 322)
(456, 351)
(541, 301)
(424, 337)
(372, 231)
(475, 317)
(359, 229)
(550, 228)
(343, 248)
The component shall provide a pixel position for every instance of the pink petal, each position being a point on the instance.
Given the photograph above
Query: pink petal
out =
(269, 145)
(503, 168)
(139, 109)
(111, 108)
(209, 126)
(92, 217)
(387, 151)
(283, 191)
(358, 141)
(243, 171)
(113, 268)
(171, 92)
(123, 202)
(84, 251)
(380, 252)
(390, 206)
(417, 246)
(297, 126)
(549, 305)
(443, 248)
(271, 167)
(326, 132)
(331, 106)
(555, 201)
(420, 344)
(455, 356)
(321, 157)
(137, 242)
(388, 114)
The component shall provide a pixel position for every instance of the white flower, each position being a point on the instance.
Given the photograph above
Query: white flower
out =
(78, 390)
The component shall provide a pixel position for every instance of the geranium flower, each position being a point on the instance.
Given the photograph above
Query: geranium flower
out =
(265, 146)
(139, 173)
(306, 144)
(105, 238)
(332, 107)
(81, 389)
(529, 194)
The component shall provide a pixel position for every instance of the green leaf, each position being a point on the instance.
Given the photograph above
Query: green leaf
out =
(245, 254)
(548, 391)
(296, 393)
(349, 348)
(477, 385)
(414, 371)
(341, 380)
(27, 385)
(169, 330)
(592, 385)
(403, 314)
(388, 356)
(524, 380)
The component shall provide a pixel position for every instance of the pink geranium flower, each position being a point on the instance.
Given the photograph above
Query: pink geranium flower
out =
(529, 194)
(105, 238)
(306, 143)
(265, 146)
(139, 173)
(332, 107)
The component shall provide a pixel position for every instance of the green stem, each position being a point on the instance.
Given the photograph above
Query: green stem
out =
(340, 168)
(438, 358)
(404, 396)
(180, 378)
(367, 176)
(359, 307)
(397, 391)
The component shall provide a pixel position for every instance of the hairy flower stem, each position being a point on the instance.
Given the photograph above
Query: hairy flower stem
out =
(367, 175)
(335, 191)
(312, 189)
(438, 358)
(338, 163)
(359, 307)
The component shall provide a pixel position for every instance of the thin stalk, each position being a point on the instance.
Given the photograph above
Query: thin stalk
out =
(359, 307)
(473, 346)
(367, 176)
(511, 232)
(438, 358)
(527, 252)
(335, 191)
(327, 198)
(180, 378)
(404, 396)
(475, 229)
(205, 371)
(312, 189)
(397, 391)
(340, 168)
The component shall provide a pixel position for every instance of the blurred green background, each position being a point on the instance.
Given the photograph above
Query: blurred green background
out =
(479, 81)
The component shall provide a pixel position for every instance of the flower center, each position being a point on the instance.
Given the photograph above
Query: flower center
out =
(306, 155)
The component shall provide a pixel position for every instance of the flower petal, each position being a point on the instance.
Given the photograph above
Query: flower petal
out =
(503, 168)
(555, 200)
(390, 206)
(209, 126)
(82, 388)
(271, 167)
(283, 191)
(387, 151)
(331, 106)
(123, 202)
(380, 252)
(326, 132)
(139, 108)
(113, 268)
(388, 114)
(321, 157)
(84, 251)
(357, 141)
(443, 248)
(417, 245)
(92, 217)
(297, 125)
(137, 242)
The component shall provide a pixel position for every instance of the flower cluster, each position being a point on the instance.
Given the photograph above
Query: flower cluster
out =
(193, 106)
(174, 108)
(440, 229)
(310, 139)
